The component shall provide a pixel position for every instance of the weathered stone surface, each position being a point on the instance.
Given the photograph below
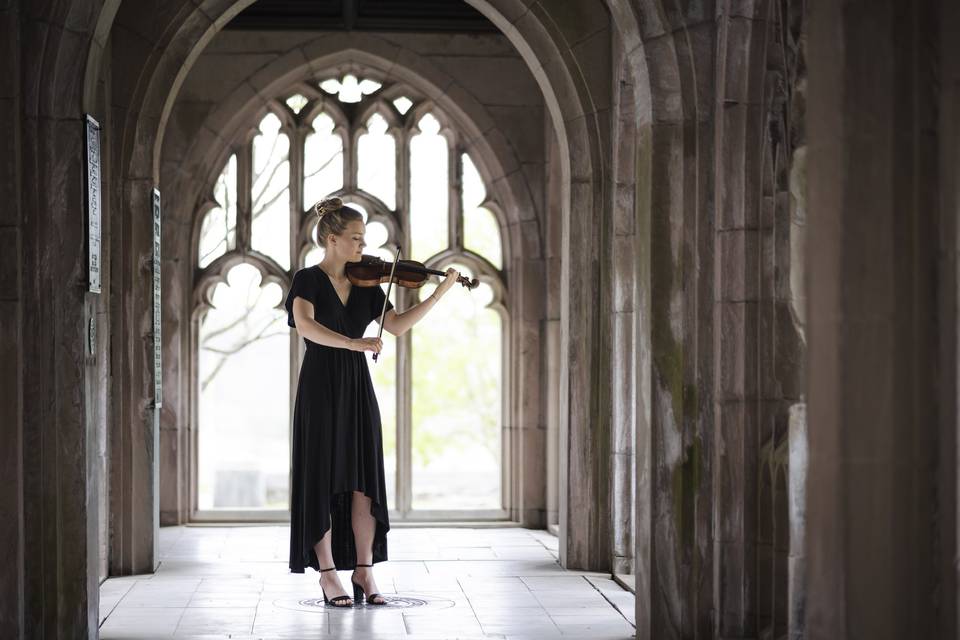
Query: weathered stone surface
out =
(737, 271)
(533, 447)
(523, 128)
(11, 471)
(222, 65)
(473, 73)
(623, 269)
(738, 82)
(594, 53)
(799, 457)
(623, 399)
(625, 207)
(10, 28)
(10, 264)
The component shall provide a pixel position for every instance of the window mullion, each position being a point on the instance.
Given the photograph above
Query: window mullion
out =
(350, 160)
(298, 135)
(401, 182)
(455, 198)
(244, 195)
(404, 372)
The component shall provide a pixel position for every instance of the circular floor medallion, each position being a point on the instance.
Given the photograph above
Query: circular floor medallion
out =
(394, 601)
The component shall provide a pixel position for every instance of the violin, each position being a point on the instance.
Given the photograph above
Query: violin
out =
(370, 271)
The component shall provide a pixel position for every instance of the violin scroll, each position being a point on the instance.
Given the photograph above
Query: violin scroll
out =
(469, 283)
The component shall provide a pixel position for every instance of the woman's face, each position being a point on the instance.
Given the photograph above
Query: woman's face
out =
(349, 245)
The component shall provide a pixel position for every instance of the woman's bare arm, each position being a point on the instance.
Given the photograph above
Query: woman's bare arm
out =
(399, 323)
(312, 330)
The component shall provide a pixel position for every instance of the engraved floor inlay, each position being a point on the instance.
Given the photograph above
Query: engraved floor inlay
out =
(393, 602)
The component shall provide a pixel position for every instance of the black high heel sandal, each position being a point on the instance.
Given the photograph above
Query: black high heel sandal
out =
(337, 599)
(358, 591)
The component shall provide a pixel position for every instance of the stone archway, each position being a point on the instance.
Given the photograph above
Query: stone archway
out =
(552, 44)
(164, 42)
(189, 169)
(160, 43)
(582, 136)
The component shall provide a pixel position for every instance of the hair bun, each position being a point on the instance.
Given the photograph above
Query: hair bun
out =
(327, 205)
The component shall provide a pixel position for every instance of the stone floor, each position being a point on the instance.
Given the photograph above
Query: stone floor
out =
(440, 582)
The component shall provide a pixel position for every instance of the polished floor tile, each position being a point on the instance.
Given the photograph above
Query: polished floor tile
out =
(441, 583)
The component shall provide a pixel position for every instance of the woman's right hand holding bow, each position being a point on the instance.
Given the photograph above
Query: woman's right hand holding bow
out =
(366, 344)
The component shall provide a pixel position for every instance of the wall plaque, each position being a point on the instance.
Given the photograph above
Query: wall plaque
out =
(157, 380)
(92, 147)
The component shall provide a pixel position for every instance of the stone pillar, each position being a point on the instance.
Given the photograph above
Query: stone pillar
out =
(585, 538)
(620, 317)
(97, 362)
(134, 438)
(529, 435)
(878, 531)
(671, 58)
(736, 313)
(550, 395)
(11, 319)
(681, 327)
(948, 278)
(134, 477)
(48, 587)
(797, 586)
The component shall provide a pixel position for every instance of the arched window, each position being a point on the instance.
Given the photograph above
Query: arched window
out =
(401, 161)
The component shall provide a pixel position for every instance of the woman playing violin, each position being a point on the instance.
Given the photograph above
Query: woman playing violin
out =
(338, 505)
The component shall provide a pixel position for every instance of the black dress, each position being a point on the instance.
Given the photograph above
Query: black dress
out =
(337, 439)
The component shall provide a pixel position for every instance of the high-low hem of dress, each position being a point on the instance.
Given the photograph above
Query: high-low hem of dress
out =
(342, 542)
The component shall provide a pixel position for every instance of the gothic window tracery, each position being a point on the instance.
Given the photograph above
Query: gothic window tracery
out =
(399, 159)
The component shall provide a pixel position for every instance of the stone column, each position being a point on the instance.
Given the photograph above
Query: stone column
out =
(737, 308)
(948, 278)
(584, 349)
(671, 57)
(878, 531)
(550, 395)
(48, 587)
(11, 318)
(620, 318)
(796, 587)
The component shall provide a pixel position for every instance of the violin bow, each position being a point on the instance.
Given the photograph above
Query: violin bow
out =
(383, 311)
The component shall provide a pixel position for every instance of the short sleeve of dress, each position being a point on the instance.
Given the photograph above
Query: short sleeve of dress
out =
(376, 304)
(304, 286)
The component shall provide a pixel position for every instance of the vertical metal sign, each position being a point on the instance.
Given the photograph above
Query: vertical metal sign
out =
(92, 143)
(157, 382)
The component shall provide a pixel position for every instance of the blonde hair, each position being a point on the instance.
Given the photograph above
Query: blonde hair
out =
(332, 217)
